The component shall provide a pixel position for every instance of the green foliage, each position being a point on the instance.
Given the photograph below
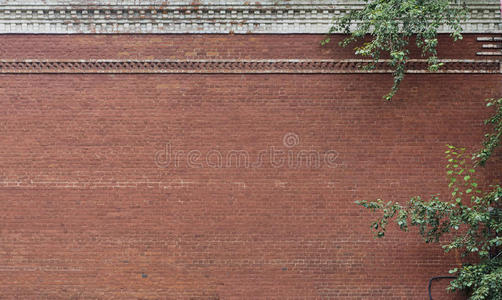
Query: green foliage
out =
(484, 279)
(391, 23)
(492, 139)
(472, 218)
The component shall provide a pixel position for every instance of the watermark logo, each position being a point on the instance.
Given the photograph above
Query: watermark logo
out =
(290, 140)
(289, 155)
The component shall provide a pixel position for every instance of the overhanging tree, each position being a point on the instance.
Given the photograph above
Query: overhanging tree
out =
(386, 27)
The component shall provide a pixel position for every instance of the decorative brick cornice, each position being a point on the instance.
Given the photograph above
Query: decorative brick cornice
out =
(228, 16)
(293, 66)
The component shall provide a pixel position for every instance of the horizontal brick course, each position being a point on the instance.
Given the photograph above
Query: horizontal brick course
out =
(200, 47)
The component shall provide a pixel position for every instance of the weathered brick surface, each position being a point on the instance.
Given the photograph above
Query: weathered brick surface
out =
(87, 213)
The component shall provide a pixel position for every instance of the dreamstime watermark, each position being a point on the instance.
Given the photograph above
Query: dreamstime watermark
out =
(286, 156)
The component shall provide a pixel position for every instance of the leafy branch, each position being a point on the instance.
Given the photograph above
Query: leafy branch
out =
(472, 218)
(492, 139)
(390, 24)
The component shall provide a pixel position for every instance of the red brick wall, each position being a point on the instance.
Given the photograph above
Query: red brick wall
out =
(87, 212)
(197, 46)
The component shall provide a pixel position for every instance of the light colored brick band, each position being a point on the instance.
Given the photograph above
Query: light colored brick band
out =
(229, 16)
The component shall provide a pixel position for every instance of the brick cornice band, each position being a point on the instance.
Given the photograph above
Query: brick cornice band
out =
(229, 16)
(229, 66)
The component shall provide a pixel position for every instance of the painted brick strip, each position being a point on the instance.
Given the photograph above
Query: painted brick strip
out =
(207, 17)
